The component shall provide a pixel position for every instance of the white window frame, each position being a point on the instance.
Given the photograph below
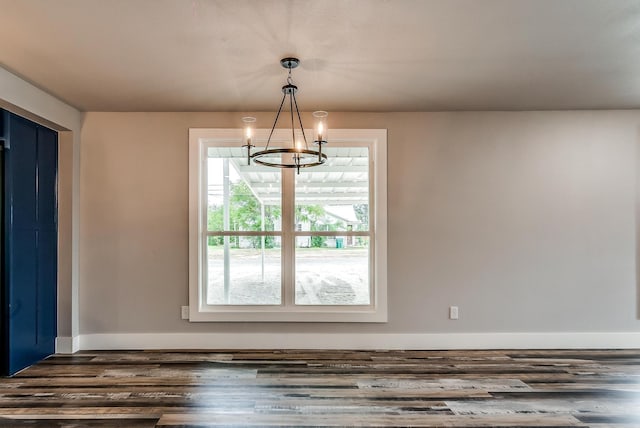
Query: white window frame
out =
(287, 311)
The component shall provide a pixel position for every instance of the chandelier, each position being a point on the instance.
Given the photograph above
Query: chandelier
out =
(298, 154)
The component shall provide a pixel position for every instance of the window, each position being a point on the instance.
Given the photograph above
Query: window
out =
(269, 244)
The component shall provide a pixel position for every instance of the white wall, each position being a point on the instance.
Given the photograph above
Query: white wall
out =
(525, 220)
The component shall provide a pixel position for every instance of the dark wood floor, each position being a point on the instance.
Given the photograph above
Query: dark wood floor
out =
(327, 388)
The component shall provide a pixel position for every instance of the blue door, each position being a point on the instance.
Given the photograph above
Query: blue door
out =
(30, 242)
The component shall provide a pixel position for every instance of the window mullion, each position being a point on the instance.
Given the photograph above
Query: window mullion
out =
(288, 237)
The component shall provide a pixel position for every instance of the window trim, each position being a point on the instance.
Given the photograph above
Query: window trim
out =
(376, 139)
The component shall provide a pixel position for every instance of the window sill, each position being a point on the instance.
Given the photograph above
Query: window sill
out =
(303, 314)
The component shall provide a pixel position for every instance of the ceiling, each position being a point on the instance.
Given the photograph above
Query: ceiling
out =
(357, 55)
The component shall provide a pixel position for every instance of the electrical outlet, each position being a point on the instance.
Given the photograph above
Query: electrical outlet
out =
(184, 312)
(453, 312)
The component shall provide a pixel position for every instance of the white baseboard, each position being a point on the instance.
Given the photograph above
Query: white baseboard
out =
(615, 340)
(67, 345)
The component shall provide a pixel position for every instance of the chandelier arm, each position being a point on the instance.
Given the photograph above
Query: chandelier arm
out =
(275, 121)
(293, 129)
(296, 156)
(304, 137)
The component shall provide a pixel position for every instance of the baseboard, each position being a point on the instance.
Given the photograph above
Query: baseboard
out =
(613, 340)
(67, 345)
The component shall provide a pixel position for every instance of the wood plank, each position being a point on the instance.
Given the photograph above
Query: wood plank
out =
(209, 420)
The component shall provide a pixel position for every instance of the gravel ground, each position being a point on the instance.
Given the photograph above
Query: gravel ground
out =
(324, 276)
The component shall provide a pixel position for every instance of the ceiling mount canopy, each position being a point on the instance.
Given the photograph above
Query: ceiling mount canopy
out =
(296, 153)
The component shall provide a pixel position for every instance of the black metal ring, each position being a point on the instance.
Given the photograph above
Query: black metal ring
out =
(257, 155)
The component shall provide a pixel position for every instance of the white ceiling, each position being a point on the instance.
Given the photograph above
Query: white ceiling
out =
(357, 55)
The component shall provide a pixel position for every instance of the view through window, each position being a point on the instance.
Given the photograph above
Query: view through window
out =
(331, 230)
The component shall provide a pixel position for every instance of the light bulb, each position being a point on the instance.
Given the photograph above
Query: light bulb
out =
(249, 123)
(321, 125)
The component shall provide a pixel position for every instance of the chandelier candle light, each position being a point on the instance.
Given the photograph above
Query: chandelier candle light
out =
(297, 155)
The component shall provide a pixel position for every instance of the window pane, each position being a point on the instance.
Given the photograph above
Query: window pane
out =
(332, 270)
(251, 271)
(252, 195)
(335, 196)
